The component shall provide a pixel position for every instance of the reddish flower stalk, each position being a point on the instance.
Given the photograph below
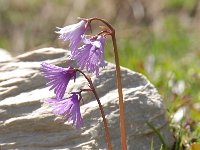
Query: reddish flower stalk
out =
(119, 83)
(100, 107)
(89, 56)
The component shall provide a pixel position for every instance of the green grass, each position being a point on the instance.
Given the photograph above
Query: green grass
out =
(181, 4)
(174, 58)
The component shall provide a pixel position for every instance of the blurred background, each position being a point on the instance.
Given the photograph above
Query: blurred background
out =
(159, 38)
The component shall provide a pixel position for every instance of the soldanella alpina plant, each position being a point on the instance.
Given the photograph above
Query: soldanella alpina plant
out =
(88, 52)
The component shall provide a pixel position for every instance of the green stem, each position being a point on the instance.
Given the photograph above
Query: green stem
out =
(159, 135)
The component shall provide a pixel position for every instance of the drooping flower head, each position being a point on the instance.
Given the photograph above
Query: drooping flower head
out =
(73, 33)
(91, 54)
(68, 108)
(58, 78)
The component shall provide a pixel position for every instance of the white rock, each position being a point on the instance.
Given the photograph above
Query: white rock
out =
(4, 55)
(26, 121)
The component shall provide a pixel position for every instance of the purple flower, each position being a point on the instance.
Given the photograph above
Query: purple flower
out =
(73, 33)
(91, 55)
(68, 108)
(58, 78)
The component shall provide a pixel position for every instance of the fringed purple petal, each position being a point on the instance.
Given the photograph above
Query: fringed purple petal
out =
(91, 55)
(73, 33)
(69, 107)
(58, 78)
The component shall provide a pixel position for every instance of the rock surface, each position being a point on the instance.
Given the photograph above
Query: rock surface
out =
(26, 121)
(4, 55)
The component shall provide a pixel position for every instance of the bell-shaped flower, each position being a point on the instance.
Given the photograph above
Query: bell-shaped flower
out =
(58, 78)
(68, 108)
(91, 54)
(73, 33)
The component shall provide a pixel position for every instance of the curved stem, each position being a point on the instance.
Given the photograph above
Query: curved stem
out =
(100, 107)
(121, 103)
(103, 21)
(119, 83)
